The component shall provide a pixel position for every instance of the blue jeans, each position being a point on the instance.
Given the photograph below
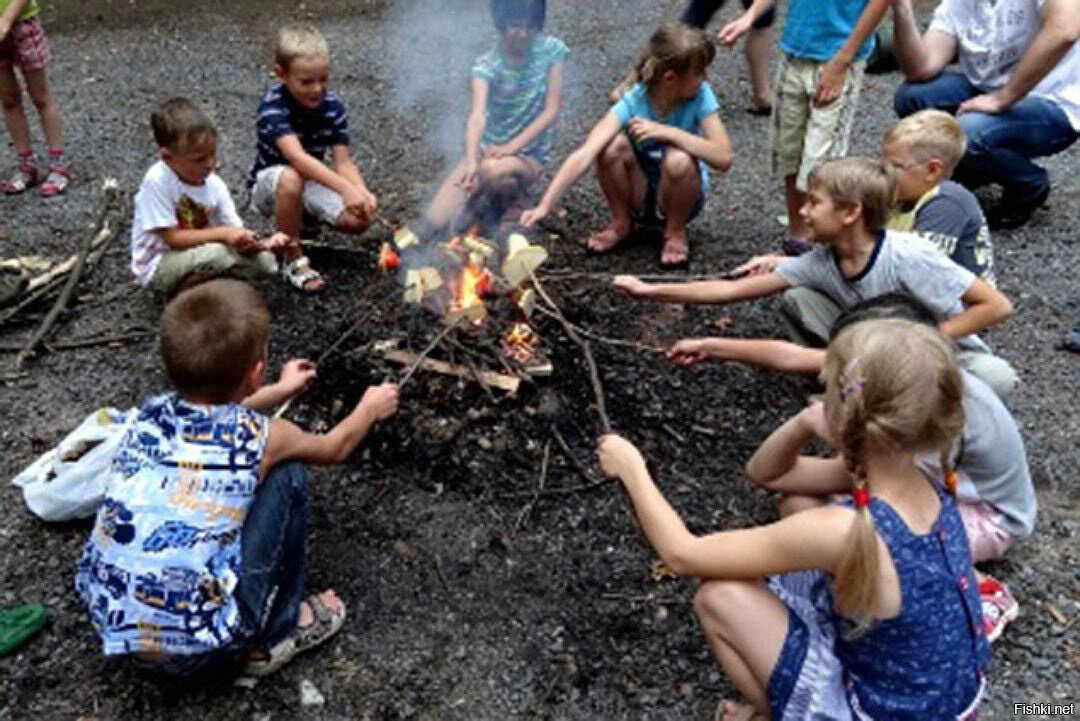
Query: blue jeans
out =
(699, 12)
(271, 582)
(1000, 147)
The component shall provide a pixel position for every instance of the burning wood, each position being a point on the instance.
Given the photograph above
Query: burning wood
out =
(502, 381)
(522, 344)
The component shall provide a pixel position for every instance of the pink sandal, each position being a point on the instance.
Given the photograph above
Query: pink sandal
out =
(56, 182)
(26, 175)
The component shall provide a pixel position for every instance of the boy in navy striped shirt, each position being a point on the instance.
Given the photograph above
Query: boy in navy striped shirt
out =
(300, 119)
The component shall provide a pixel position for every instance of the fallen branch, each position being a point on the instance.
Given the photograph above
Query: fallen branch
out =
(524, 516)
(424, 353)
(501, 381)
(606, 340)
(562, 275)
(586, 350)
(102, 233)
(84, 342)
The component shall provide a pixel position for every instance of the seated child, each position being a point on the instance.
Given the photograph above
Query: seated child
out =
(186, 226)
(923, 149)
(844, 611)
(196, 560)
(652, 147)
(300, 118)
(823, 50)
(516, 94)
(23, 44)
(995, 494)
(855, 259)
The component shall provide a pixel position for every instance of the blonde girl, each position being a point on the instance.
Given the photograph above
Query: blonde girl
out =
(862, 609)
(652, 147)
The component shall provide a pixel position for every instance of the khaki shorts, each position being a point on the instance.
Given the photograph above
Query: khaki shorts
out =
(320, 202)
(209, 259)
(802, 135)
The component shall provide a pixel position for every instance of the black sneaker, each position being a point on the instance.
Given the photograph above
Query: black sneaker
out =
(1009, 213)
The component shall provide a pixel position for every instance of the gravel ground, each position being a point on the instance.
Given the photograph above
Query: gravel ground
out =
(456, 612)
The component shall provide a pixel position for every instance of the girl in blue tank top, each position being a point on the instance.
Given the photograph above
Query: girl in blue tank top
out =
(865, 609)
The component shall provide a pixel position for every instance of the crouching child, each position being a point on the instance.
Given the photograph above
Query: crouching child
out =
(196, 560)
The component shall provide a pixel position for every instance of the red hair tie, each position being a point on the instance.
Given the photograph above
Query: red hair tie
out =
(861, 496)
(951, 482)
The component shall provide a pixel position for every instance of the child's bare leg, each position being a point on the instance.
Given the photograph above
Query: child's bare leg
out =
(797, 227)
(289, 203)
(623, 184)
(49, 112)
(679, 192)
(745, 625)
(505, 176)
(14, 116)
(758, 44)
(449, 200)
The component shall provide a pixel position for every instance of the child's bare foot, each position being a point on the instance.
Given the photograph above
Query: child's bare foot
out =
(676, 250)
(609, 237)
(731, 711)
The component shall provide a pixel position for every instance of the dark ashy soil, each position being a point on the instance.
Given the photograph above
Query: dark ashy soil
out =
(463, 603)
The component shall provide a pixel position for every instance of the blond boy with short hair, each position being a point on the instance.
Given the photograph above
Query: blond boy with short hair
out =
(924, 149)
(300, 119)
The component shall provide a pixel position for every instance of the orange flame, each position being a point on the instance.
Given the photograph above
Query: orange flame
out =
(521, 339)
(474, 283)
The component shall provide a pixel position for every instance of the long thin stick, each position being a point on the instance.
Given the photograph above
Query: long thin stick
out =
(524, 516)
(557, 275)
(101, 232)
(424, 353)
(586, 350)
(606, 340)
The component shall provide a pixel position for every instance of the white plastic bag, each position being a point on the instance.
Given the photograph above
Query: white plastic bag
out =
(69, 481)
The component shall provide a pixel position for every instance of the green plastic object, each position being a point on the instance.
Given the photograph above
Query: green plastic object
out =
(18, 624)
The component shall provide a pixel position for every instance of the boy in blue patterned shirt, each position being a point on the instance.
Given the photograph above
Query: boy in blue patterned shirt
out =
(300, 119)
(196, 560)
(516, 94)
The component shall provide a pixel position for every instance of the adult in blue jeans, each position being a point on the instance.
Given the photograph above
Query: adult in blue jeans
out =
(698, 13)
(1016, 94)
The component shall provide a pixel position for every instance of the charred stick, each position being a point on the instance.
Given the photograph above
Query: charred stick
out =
(85, 342)
(574, 461)
(100, 234)
(424, 353)
(606, 340)
(524, 516)
(586, 350)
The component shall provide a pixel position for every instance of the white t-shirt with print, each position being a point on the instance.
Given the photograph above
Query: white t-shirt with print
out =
(994, 36)
(165, 201)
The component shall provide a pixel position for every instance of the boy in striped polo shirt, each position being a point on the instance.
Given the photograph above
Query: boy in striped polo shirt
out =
(300, 119)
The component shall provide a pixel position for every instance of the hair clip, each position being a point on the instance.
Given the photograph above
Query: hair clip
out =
(861, 494)
(850, 384)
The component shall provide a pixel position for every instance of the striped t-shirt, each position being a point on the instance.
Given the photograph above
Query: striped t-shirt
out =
(317, 129)
(516, 93)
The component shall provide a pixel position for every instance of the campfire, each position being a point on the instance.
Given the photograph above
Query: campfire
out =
(478, 288)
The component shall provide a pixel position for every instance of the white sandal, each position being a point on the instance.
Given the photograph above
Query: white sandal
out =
(299, 272)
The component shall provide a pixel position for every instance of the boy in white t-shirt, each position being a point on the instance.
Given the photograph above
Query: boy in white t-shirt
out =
(186, 227)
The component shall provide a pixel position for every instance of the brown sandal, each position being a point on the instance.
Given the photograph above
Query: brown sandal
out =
(325, 622)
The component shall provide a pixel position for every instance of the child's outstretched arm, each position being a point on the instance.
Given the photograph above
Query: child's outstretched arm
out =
(713, 145)
(831, 82)
(346, 167)
(287, 441)
(702, 291)
(735, 29)
(574, 167)
(297, 375)
(809, 540)
(547, 116)
(984, 306)
(778, 355)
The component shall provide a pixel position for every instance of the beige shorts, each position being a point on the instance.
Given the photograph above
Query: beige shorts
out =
(320, 202)
(986, 538)
(802, 135)
(209, 259)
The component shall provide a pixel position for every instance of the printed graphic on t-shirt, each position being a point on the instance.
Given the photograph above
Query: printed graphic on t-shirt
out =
(191, 215)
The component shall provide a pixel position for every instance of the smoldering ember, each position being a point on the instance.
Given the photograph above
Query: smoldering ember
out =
(489, 568)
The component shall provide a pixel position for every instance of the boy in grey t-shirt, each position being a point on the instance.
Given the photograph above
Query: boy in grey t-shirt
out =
(847, 204)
